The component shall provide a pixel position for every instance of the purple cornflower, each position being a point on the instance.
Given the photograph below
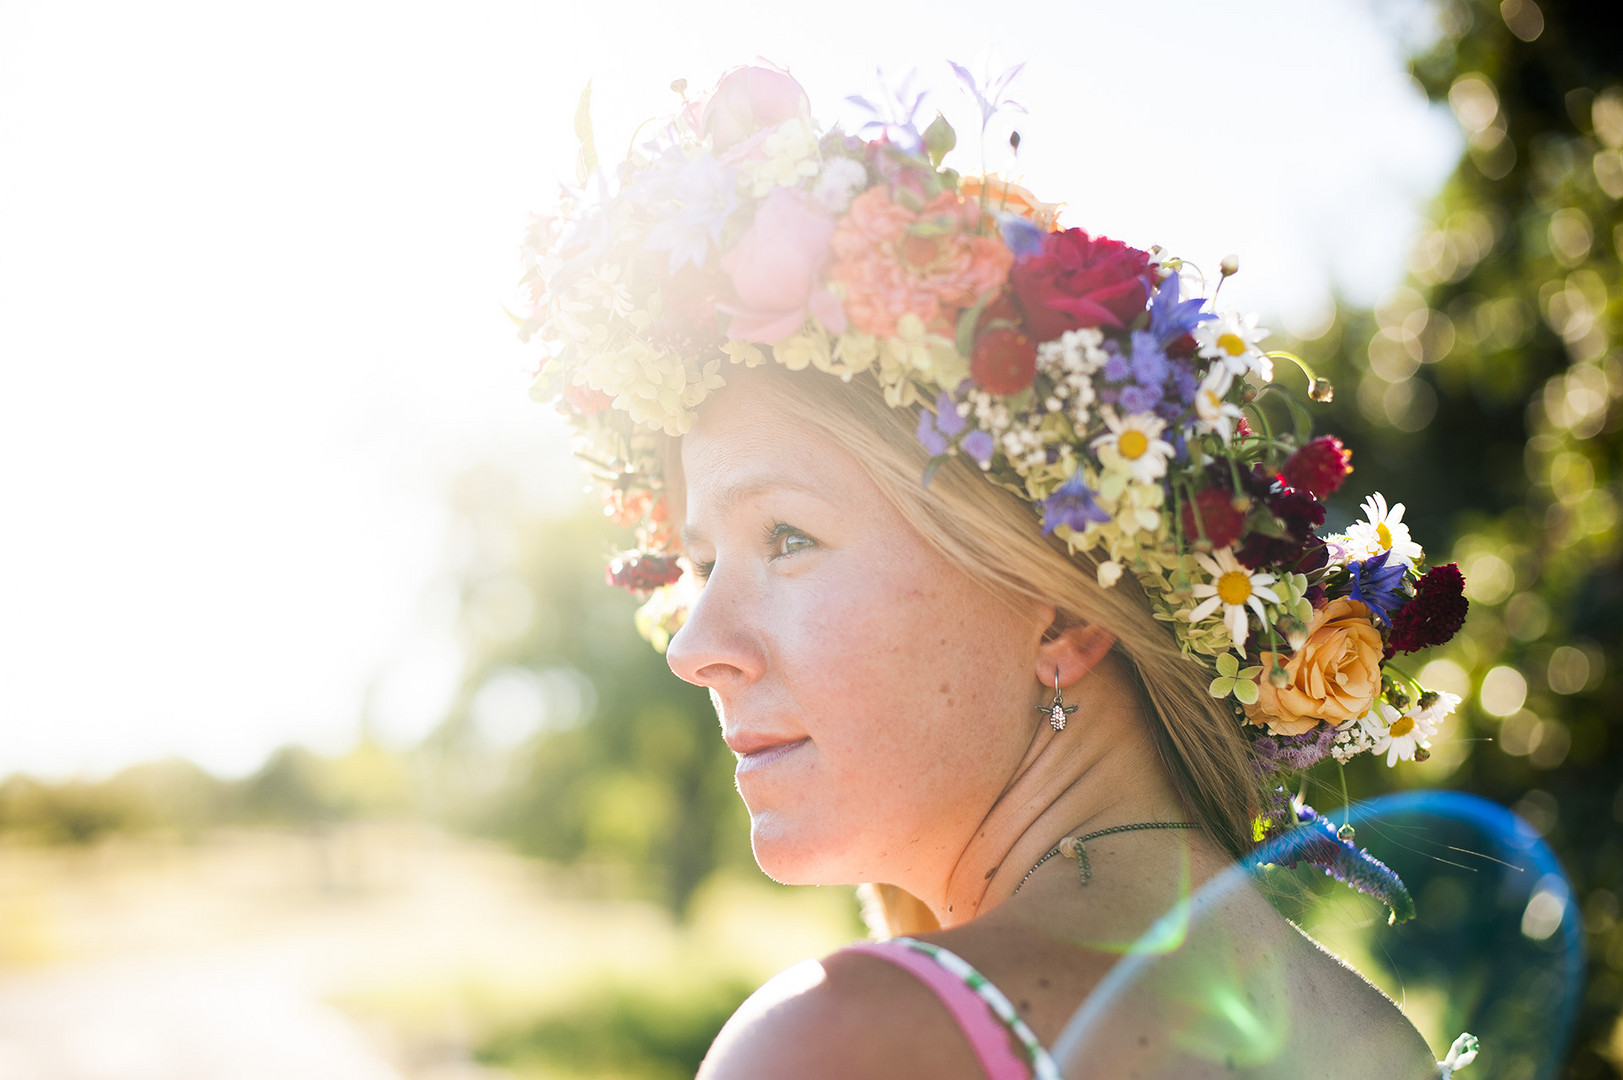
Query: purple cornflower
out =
(1378, 586)
(1071, 504)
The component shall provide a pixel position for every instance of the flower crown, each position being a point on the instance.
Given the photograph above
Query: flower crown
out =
(1072, 369)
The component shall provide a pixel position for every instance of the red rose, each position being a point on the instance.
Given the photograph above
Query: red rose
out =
(1004, 361)
(1077, 281)
(1319, 467)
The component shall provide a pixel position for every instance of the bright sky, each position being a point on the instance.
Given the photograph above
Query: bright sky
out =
(252, 259)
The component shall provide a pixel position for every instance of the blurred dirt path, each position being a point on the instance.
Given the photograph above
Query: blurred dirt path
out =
(175, 1019)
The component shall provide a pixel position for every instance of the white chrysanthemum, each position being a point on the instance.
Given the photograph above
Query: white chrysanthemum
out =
(839, 182)
(1232, 338)
(1212, 412)
(785, 157)
(1134, 446)
(1383, 530)
(1234, 588)
(1396, 735)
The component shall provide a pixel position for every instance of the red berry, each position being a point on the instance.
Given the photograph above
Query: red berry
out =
(1004, 360)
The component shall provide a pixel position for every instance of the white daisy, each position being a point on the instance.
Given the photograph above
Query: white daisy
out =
(1235, 588)
(1440, 709)
(1211, 411)
(1232, 338)
(1134, 445)
(1401, 735)
(1383, 530)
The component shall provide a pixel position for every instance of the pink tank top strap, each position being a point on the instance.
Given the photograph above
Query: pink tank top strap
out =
(990, 1039)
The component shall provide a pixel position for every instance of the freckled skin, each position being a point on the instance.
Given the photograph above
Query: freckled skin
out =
(857, 636)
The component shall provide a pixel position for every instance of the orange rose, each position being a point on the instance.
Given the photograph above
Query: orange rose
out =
(1334, 676)
(1002, 195)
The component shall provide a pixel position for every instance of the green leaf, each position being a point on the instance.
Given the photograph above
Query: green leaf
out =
(939, 138)
(1220, 686)
(583, 131)
(1245, 692)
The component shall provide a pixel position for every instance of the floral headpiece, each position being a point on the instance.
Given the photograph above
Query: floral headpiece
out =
(1071, 368)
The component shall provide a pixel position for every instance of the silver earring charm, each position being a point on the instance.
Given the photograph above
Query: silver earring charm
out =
(1058, 711)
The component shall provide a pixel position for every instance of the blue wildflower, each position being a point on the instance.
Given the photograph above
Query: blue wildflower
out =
(1071, 504)
(938, 429)
(978, 445)
(1021, 236)
(1378, 586)
(1171, 319)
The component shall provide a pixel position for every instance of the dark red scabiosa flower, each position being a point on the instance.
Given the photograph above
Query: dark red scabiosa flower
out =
(1319, 467)
(1221, 516)
(1283, 537)
(1078, 281)
(1004, 360)
(642, 572)
(1434, 615)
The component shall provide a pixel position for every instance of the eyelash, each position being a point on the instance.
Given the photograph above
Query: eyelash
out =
(773, 538)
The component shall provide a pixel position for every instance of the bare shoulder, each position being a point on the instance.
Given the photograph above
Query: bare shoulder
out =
(849, 1015)
(1247, 994)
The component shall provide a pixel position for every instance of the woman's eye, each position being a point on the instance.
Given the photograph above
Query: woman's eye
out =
(787, 540)
(702, 568)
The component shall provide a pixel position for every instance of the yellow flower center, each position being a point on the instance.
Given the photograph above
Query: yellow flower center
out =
(1232, 344)
(1132, 444)
(1402, 725)
(1234, 587)
(1384, 535)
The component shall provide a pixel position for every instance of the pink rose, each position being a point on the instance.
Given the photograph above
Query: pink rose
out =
(1077, 281)
(776, 269)
(747, 100)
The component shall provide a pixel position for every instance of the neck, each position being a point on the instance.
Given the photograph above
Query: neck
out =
(1102, 770)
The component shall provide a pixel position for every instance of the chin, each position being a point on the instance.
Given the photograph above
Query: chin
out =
(788, 855)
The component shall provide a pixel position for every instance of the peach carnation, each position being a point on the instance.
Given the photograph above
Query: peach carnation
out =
(931, 263)
(1333, 677)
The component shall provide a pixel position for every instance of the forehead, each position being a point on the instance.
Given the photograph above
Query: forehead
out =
(746, 442)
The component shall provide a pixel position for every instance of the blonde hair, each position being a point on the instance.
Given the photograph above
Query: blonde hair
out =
(996, 537)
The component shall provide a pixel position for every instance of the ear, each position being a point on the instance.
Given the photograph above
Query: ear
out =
(1072, 653)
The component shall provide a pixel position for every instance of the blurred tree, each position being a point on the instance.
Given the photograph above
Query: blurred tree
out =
(569, 736)
(1485, 393)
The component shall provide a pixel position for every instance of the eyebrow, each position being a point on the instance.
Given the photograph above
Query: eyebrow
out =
(732, 495)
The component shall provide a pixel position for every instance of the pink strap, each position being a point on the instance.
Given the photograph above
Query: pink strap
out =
(986, 1034)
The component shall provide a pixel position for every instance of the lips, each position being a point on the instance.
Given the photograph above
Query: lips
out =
(756, 751)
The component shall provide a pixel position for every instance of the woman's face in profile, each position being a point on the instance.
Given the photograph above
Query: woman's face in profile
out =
(878, 698)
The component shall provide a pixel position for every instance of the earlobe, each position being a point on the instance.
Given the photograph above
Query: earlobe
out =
(1072, 653)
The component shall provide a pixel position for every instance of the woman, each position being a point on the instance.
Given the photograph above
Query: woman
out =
(974, 514)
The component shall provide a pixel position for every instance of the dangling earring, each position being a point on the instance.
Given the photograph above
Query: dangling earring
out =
(1058, 711)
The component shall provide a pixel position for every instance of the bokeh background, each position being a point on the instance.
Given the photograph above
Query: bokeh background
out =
(324, 751)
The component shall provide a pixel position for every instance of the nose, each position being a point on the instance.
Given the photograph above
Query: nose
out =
(719, 645)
